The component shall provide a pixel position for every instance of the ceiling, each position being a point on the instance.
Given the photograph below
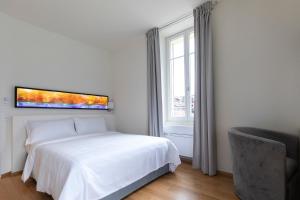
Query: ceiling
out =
(105, 23)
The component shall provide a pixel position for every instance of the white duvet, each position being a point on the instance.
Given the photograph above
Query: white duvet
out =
(90, 167)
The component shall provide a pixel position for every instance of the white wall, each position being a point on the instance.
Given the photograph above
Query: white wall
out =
(257, 68)
(33, 57)
(130, 87)
(257, 64)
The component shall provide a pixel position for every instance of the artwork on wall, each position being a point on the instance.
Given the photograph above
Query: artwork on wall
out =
(41, 98)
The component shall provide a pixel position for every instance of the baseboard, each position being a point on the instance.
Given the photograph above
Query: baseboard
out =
(185, 159)
(227, 174)
(11, 174)
(188, 160)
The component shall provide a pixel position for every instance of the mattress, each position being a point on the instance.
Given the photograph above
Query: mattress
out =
(97, 165)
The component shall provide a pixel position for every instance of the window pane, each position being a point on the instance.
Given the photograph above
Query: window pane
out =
(192, 83)
(177, 47)
(178, 108)
(178, 74)
(192, 43)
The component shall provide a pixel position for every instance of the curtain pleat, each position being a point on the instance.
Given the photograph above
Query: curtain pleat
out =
(155, 121)
(204, 148)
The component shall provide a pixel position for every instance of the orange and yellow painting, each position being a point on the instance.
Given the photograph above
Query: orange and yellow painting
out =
(37, 98)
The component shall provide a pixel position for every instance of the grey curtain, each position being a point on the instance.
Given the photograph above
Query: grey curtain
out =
(155, 121)
(204, 149)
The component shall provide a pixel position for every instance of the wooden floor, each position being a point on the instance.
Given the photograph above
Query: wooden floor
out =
(185, 184)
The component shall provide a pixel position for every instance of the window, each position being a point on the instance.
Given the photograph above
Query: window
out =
(180, 77)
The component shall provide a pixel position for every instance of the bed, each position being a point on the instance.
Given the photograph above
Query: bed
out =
(98, 164)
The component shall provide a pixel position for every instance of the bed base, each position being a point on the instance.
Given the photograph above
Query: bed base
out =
(122, 193)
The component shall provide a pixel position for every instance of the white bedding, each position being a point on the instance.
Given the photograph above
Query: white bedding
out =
(89, 167)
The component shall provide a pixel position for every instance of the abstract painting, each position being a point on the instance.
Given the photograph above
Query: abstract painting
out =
(40, 98)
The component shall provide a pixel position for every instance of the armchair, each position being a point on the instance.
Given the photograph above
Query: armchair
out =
(265, 164)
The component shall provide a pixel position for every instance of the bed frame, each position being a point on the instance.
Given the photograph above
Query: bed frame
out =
(19, 154)
(120, 194)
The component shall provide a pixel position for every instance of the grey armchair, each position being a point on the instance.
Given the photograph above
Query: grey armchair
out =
(265, 164)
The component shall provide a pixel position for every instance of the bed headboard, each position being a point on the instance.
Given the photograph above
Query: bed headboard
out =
(19, 134)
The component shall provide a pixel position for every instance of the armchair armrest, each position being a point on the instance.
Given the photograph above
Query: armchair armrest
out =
(258, 166)
(291, 141)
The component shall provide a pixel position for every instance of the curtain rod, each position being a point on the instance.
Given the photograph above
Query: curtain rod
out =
(176, 21)
(184, 17)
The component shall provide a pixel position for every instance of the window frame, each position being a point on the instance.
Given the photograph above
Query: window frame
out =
(188, 119)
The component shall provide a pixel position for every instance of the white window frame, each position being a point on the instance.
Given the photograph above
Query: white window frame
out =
(187, 120)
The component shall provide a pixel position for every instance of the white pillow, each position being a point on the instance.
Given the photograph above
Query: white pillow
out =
(86, 125)
(45, 130)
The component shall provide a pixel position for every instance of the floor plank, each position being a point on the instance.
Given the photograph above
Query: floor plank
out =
(185, 184)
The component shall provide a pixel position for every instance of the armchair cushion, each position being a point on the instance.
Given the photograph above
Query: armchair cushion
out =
(291, 167)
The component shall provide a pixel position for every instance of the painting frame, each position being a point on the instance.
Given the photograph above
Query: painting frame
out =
(59, 91)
